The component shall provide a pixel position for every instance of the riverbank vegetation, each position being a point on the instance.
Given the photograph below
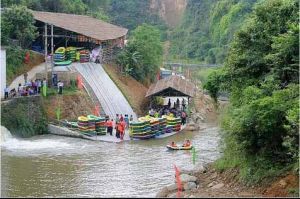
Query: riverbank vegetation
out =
(17, 24)
(261, 73)
(24, 117)
(72, 104)
(142, 56)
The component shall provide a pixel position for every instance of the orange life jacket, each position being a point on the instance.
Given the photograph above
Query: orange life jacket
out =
(121, 126)
(109, 123)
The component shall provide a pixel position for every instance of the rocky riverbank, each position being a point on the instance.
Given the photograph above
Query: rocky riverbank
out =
(205, 181)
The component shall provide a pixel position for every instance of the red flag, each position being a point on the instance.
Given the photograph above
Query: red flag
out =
(96, 110)
(179, 185)
(79, 82)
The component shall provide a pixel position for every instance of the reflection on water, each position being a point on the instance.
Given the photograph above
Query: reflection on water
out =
(48, 165)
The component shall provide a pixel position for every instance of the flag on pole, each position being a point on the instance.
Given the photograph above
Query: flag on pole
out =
(194, 154)
(79, 82)
(96, 110)
(179, 185)
(44, 90)
(58, 112)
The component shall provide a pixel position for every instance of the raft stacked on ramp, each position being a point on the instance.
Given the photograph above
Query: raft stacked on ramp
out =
(108, 94)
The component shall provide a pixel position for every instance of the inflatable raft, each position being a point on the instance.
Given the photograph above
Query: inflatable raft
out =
(60, 50)
(99, 124)
(63, 63)
(141, 130)
(179, 147)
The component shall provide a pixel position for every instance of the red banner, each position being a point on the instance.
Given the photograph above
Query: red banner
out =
(97, 111)
(79, 82)
(179, 185)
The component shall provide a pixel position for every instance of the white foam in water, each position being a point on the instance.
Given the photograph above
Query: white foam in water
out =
(11, 143)
(15, 144)
(5, 134)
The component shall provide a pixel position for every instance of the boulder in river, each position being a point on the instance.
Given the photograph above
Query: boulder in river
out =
(187, 178)
(172, 187)
(162, 193)
(189, 186)
(172, 195)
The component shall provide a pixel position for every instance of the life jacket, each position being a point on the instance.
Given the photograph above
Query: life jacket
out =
(109, 124)
(121, 126)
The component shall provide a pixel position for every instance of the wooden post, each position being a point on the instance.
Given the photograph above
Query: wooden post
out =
(46, 52)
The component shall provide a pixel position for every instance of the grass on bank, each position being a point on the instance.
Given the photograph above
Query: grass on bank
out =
(25, 117)
(15, 62)
(52, 91)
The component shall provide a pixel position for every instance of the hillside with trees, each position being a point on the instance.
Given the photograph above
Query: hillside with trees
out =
(142, 57)
(261, 74)
(207, 29)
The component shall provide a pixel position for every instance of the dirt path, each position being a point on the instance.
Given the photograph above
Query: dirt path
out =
(31, 75)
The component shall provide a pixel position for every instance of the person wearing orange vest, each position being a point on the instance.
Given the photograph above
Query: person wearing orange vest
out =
(121, 128)
(109, 125)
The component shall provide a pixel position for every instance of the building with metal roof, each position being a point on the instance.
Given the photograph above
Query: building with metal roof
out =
(85, 25)
(172, 86)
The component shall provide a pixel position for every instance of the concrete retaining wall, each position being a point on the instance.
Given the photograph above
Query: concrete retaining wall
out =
(63, 131)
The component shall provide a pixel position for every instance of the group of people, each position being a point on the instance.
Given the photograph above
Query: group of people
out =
(176, 104)
(27, 89)
(30, 88)
(121, 124)
(170, 112)
(186, 143)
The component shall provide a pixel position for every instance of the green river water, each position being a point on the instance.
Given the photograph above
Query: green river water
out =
(54, 166)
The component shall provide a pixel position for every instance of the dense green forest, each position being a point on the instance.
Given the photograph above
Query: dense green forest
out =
(126, 13)
(261, 74)
(131, 13)
(89, 7)
(207, 29)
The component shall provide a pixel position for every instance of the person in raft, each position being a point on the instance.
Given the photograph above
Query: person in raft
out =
(173, 144)
(186, 143)
(109, 125)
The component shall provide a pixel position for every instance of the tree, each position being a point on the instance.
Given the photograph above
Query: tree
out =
(262, 75)
(18, 23)
(143, 53)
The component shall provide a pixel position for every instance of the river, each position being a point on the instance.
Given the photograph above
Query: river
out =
(54, 166)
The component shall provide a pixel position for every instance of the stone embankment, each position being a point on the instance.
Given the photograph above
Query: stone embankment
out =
(189, 184)
(205, 181)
